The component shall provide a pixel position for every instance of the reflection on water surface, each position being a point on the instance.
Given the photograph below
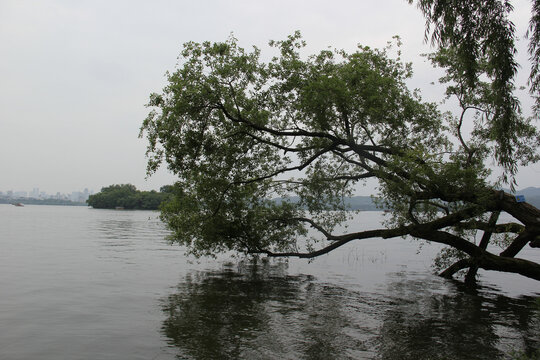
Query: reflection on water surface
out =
(254, 310)
(257, 311)
(461, 323)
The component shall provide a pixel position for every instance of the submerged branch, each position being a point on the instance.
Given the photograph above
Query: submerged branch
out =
(455, 267)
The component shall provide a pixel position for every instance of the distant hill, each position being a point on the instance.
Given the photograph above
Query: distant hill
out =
(529, 191)
(361, 203)
(533, 200)
(532, 195)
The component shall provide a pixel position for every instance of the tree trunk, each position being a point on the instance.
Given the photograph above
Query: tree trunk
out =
(470, 278)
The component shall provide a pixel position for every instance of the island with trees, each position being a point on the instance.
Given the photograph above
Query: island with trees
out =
(238, 131)
(126, 196)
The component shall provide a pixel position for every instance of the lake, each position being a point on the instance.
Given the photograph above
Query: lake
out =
(80, 283)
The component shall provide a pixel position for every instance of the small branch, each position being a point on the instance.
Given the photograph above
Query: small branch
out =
(316, 226)
(459, 131)
(346, 159)
(412, 204)
(366, 175)
(284, 170)
(276, 145)
(368, 135)
(252, 125)
(440, 206)
(347, 126)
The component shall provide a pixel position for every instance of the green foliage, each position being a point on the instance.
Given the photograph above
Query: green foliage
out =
(478, 102)
(231, 127)
(238, 132)
(476, 40)
(126, 196)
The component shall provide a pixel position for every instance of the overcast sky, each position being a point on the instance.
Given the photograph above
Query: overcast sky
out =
(75, 75)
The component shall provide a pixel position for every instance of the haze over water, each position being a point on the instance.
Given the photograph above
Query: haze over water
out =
(79, 283)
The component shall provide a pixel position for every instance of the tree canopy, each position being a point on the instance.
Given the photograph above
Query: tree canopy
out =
(239, 131)
(128, 197)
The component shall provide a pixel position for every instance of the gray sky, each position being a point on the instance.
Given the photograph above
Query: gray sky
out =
(75, 75)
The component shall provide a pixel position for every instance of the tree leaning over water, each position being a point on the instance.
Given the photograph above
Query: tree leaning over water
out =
(239, 131)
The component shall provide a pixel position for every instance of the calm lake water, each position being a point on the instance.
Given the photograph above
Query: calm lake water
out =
(79, 283)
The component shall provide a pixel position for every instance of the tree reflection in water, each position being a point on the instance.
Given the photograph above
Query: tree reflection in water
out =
(255, 310)
(440, 320)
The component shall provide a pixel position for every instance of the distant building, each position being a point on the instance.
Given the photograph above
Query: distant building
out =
(20, 194)
(78, 196)
(35, 193)
(75, 196)
(58, 196)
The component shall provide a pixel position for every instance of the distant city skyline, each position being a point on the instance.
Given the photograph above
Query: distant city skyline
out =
(35, 193)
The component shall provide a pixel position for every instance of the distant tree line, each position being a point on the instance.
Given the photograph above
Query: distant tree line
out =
(127, 196)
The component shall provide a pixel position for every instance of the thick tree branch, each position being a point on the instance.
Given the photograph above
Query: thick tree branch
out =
(519, 242)
(419, 230)
(455, 267)
(497, 229)
(470, 278)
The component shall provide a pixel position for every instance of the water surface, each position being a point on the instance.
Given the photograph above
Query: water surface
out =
(78, 283)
